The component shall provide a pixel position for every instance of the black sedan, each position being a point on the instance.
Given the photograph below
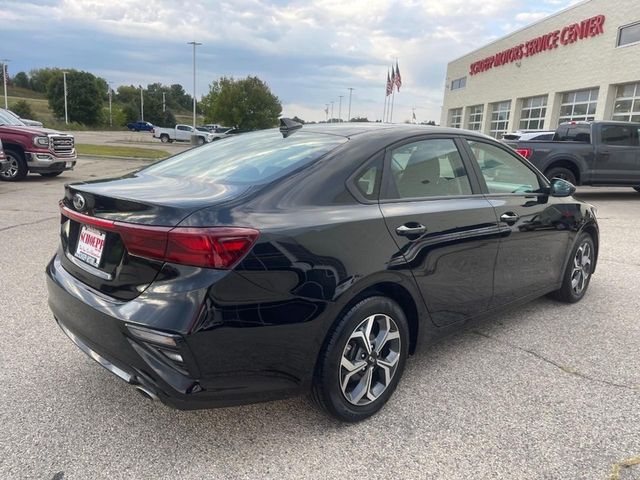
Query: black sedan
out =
(308, 259)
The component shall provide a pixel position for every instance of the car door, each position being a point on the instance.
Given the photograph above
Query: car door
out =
(183, 132)
(445, 230)
(534, 226)
(617, 157)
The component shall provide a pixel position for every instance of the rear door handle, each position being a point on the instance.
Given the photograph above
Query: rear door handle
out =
(509, 218)
(414, 229)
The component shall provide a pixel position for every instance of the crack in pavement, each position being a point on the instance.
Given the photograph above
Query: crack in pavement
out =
(35, 222)
(565, 369)
(617, 467)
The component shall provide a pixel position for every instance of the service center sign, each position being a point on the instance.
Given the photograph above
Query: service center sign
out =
(590, 27)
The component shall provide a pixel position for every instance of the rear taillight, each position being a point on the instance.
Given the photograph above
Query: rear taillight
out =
(209, 247)
(525, 152)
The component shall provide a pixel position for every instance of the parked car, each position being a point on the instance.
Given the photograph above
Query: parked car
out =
(526, 135)
(140, 126)
(215, 128)
(182, 133)
(4, 163)
(313, 258)
(588, 153)
(31, 149)
(26, 121)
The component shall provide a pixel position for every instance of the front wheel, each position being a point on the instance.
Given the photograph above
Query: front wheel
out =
(201, 140)
(18, 168)
(561, 172)
(363, 360)
(578, 271)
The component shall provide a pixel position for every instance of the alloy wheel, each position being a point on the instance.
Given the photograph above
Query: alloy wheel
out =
(582, 261)
(12, 171)
(370, 359)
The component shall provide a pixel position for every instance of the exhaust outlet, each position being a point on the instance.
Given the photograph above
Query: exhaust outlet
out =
(146, 393)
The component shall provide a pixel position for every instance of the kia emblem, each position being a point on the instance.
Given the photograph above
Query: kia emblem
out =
(79, 202)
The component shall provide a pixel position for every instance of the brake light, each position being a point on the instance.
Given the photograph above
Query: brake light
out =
(525, 152)
(209, 247)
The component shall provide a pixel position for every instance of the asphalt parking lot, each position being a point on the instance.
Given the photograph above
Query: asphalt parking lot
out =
(547, 391)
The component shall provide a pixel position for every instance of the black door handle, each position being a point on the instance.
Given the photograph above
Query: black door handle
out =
(509, 218)
(414, 229)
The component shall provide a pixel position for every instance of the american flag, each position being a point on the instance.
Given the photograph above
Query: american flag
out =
(389, 84)
(398, 78)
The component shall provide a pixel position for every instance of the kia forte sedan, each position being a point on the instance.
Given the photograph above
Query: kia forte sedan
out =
(308, 259)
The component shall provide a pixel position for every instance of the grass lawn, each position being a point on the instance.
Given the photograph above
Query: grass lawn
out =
(114, 151)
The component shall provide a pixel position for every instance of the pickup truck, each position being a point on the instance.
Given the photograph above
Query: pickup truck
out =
(140, 126)
(588, 153)
(31, 149)
(181, 133)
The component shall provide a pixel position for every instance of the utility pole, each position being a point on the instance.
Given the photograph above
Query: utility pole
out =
(164, 102)
(326, 112)
(141, 104)
(66, 112)
(340, 108)
(331, 119)
(110, 115)
(350, 93)
(195, 44)
(4, 80)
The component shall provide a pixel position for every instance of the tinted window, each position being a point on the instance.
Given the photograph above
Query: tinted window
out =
(620, 135)
(573, 133)
(502, 171)
(251, 158)
(428, 168)
(184, 128)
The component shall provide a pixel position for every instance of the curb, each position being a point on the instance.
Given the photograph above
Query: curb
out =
(113, 157)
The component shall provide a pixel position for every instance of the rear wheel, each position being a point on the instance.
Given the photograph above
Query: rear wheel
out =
(363, 360)
(51, 174)
(577, 274)
(164, 138)
(561, 172)
(17, 166)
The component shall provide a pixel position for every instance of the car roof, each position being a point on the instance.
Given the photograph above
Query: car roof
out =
(384, 129)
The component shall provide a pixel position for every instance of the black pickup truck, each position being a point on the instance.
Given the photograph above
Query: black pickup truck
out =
(588, 153)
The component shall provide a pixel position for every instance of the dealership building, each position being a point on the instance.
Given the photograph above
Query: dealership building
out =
(582, 63)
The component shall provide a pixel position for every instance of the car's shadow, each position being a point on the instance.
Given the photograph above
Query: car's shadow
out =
(599, 195)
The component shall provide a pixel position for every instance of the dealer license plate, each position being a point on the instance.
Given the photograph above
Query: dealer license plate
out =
(90, 246)
(68, 164)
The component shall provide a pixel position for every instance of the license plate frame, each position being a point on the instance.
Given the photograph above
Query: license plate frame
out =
(90, 246)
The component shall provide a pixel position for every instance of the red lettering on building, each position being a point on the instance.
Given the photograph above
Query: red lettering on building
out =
(591, 27)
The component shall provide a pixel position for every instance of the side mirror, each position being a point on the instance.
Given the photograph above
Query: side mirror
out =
(561, 188)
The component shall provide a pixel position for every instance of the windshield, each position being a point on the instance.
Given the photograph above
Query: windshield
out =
(7, 118)
(248, 159)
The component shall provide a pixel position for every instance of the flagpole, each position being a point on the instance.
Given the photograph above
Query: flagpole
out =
(384, 111)
(393, 97)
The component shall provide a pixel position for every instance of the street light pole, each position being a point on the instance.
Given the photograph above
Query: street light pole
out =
(110, 116)
(326, 112)
(331, 119)
(350, 92)
(66, 111)
(195, 44)
(340, 108)
(4, 80)
(141, 104)
(164, 102)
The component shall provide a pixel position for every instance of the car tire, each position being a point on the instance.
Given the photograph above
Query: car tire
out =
(358, 368)
(577, 274)
(51, 174)
(561, 172)
(165, 138)
(18, 168)
(201, 141)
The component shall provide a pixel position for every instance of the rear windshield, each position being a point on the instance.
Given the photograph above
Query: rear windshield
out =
(573, 133)
(250, 158)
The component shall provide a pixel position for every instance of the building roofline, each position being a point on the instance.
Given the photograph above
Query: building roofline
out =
(522, 29)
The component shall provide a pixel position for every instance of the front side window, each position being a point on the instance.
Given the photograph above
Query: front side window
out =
(503, 172)
(621, 135)
(184, 128)
(455, 117)
(248, 159)
(500, 118)
(629, 34)
(534, 109)
(578, 106)
(428, 168)
(627, 104)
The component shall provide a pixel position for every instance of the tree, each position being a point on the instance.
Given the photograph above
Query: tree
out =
(40, 78)
(247, 103)
(21, 80)
(22, 109)
(359, 119)
(85, 96)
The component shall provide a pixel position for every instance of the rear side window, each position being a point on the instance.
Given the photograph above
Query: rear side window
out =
(368, 180)
(622, 135)
(247, 159)
(502, 171)
(428, 168)
(573, 133)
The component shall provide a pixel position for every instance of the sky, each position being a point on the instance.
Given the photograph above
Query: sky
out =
(309, 53)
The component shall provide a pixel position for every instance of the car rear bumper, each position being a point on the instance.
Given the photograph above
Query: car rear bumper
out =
(96, 326)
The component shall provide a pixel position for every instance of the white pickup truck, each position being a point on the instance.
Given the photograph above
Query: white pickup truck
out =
(181, 133)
